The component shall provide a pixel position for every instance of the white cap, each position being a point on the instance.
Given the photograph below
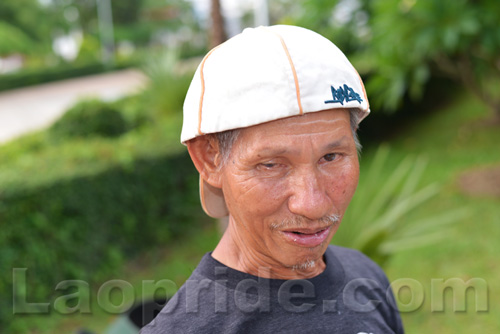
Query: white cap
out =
(265, 74)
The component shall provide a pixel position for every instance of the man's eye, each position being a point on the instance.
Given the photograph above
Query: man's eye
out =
(268, 165)
(330, 156)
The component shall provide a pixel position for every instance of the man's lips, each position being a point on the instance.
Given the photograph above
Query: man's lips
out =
(307, 237)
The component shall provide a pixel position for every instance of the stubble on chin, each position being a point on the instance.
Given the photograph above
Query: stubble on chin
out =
(308, 264)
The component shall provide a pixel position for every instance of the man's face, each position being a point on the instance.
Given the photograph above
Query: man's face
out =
(281, 181)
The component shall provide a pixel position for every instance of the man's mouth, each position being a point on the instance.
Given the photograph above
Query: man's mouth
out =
(306, 237)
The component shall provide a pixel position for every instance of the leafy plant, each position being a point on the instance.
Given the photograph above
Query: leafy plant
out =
(13, 40)
(399, 46)
(24, 18)
(169, 83)
(414, 40)
(377, 221)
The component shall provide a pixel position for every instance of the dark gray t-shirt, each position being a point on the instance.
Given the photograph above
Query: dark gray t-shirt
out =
(352, 296)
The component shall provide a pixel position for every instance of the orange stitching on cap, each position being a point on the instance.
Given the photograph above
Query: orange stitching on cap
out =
(297, 88)
(202, 78)
(364, 90)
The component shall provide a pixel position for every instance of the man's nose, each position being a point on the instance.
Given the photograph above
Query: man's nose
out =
(309, 195)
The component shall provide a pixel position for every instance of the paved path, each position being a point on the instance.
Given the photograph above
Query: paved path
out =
(37, 107)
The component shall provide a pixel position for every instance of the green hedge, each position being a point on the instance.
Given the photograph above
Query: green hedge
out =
(29, 77)
(105, 183)
(85, 228)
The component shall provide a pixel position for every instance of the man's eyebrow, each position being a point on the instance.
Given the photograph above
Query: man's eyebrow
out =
(271, 151)
(340, 142)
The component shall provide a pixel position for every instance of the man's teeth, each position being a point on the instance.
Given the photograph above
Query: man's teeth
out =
(301, 233)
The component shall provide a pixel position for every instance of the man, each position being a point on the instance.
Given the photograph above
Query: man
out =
(270, 123)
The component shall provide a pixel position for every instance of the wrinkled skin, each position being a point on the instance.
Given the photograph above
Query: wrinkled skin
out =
(282, 179)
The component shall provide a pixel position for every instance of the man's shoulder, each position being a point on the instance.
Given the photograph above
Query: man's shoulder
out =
(355, 263)
(344, 252)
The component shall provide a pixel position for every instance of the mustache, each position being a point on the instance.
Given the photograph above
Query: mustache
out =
(303, 222)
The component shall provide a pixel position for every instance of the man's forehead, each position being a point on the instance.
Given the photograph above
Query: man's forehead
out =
(281, 148)
(332, 126)
(328, 120)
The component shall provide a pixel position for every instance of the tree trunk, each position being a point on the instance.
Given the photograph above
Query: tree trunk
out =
(217, 31)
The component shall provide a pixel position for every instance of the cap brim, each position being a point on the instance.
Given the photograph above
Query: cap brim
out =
(212, 200)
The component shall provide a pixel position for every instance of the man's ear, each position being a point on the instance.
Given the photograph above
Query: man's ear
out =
(205, 154)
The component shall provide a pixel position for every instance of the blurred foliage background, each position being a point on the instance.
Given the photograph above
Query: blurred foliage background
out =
(108, 192)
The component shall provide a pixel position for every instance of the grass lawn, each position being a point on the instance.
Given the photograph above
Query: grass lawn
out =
(454, 140)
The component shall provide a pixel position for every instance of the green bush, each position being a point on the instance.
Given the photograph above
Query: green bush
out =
(102, 185)
(91, 118)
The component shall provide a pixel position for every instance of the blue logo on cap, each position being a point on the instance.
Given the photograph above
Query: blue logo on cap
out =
(344, 94)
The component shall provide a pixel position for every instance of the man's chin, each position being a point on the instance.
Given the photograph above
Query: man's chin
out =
(304, 266)
(307, 262)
